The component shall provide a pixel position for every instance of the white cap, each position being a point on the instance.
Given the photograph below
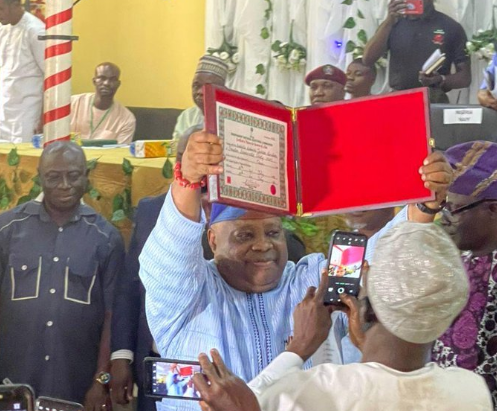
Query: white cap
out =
(417, 284)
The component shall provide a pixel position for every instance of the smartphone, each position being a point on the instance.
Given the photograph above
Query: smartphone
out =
(16, 397)
(54, 404)
(414, 7)
(345, 261)
(167, 378)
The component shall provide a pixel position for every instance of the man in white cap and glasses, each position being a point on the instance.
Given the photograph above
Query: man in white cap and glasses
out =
(415, 289)
(210, 70)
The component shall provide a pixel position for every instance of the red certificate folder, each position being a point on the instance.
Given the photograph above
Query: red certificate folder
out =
(340, 157)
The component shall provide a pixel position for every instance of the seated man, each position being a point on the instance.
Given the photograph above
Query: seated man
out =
(360, 79)
(485, 95)
(240, 302)
(470, 218)
(415, 289)
(210, 70)
(98, 116)
(326, 84)
(59, 262)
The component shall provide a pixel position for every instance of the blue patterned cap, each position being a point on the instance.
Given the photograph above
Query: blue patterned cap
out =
(223, 212)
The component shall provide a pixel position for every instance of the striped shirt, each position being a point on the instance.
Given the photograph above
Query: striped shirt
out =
(191, 309)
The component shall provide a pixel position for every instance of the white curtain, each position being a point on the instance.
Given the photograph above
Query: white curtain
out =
(318, 26)
(287, 86)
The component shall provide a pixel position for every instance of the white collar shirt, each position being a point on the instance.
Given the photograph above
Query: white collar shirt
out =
(21, 78)
(284, 386)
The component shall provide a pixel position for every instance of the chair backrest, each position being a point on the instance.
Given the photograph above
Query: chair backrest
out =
(448, 135)
(154, 123)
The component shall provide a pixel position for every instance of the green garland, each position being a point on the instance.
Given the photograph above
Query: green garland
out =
(122, 208)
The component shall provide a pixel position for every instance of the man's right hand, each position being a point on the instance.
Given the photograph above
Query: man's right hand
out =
(121, 383)
(312, 321)
(202, 156)
(396, 10)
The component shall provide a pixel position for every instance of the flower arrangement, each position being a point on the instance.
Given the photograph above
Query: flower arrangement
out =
(483, 44)
(484, 41)
(289, 55)
(226, 52)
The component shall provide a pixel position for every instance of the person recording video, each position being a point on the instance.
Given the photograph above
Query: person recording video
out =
(242, 301)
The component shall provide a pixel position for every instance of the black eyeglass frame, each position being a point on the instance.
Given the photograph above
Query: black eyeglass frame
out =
(467, 207)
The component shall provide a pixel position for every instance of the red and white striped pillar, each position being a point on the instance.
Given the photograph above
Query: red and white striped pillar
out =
(58, 70)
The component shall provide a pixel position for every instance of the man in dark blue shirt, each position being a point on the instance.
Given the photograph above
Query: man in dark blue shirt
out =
(59, 261)
(411, 40)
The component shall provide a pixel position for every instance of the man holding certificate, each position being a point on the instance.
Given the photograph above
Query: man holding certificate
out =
(242, 302)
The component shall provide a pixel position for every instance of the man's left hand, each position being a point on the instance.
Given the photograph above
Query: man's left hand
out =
(221, 390)
(431, 80)
(97, 398)
(437, 175)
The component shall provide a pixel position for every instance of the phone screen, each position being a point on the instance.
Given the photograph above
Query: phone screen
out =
(54, 404)
(414, 7)
(16, 398)
(171, 378)
(345, 260)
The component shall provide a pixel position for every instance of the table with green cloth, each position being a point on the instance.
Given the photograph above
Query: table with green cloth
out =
(118, 181)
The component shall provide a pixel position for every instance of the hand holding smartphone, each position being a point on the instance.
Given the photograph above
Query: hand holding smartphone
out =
(167, 378)
(345, 261)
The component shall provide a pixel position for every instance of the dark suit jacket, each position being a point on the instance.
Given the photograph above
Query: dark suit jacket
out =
(129, 323)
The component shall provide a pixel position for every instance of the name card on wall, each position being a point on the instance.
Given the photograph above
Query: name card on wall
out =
(463, 116)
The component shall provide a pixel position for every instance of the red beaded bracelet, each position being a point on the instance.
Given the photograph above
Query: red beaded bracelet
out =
(183, 182)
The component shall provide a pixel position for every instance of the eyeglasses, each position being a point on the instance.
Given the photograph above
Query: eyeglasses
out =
(450, 211)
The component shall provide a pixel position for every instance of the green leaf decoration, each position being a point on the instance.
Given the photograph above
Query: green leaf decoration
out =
(3, 187)
(260, 89)
(265, 33)
(13, 158)
(349, 48)
(360, 15)
(24, 199)
(36, 179)
(128, 209)
(347, 2)
(308, 228)
(362, 36)
(4, 202)
(95, 194)
(127, 167)
(34, 192)
(276, 45)
(288, 224)
(349, 23)
(91, 164)
(117, 203)
(259, 69)
(167, 169)
(118, 215)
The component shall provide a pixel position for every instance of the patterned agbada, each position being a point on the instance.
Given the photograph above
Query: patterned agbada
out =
(471, 341)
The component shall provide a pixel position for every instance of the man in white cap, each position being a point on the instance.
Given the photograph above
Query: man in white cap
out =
(210, 70)
(415, 289)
